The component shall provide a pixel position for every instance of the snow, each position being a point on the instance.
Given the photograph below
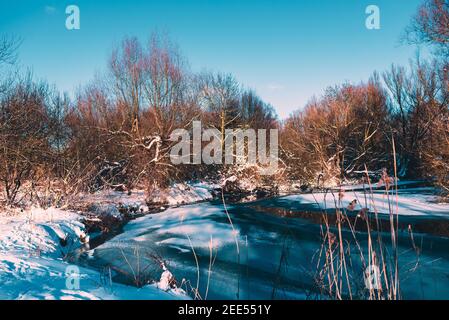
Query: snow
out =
(32, 264)
(166, 279)
(203, 229)
(196, 222)
(380, 185)
(107, 209)
(414, 202)
(105, 202)
(177, 194)
(182, 193)
(39, 230)
(177, 231)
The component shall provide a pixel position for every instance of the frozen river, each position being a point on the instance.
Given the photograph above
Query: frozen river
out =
(261, 255)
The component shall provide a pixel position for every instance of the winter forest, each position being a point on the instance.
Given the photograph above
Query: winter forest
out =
(87, 181)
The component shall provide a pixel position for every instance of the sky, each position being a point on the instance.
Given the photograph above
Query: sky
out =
(286, 50)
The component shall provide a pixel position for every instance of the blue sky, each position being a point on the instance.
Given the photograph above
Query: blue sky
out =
(287, 50)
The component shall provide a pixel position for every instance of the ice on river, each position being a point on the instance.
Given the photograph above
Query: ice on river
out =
(414, 202)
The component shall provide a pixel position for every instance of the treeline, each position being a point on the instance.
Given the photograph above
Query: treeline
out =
(116, 132)
(401, 117)
(398, 120)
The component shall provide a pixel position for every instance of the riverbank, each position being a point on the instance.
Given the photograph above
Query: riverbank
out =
(37, 246)
(261, 255)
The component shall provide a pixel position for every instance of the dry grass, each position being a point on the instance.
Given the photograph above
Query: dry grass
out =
(355, 267)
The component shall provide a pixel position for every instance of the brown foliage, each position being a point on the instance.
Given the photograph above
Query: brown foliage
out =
(339, 133)
(431, 26)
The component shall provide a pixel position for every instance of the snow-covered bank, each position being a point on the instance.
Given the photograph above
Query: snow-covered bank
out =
(416, 202)
(139, 201)
(182, 193)
(32, 246)
(34, 242)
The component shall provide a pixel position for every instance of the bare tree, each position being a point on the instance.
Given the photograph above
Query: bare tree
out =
(431, 26)
(220, 96)
(418, 103)
(8, 49)
(126, 67)
(339, 134)
(255, 113)
(165, 82)
(24, 131)
(126, 126)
